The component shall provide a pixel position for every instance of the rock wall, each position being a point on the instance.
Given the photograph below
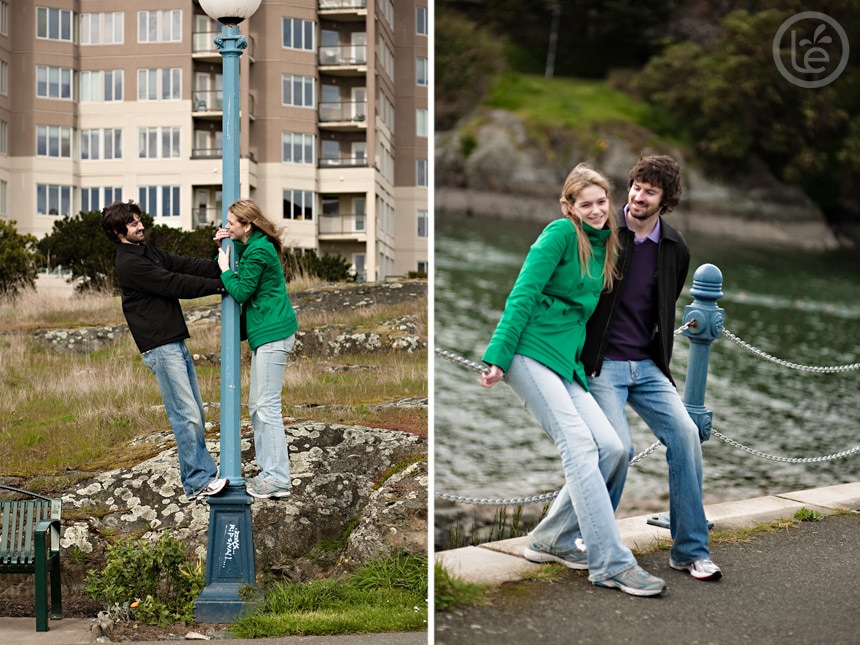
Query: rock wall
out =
(513, 173)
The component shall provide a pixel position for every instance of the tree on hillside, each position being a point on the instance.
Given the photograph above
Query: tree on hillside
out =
(19, 261)
(467, 58)
(736, 106)
(594, 36)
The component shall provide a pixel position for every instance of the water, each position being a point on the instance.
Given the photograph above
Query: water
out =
(799, 306)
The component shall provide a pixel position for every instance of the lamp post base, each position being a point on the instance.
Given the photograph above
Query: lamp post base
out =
(230, 560)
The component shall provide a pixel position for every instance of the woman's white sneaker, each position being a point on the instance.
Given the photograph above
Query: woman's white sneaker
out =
(703, 569)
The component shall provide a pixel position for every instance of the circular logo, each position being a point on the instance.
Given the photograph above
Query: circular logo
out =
(809, 54)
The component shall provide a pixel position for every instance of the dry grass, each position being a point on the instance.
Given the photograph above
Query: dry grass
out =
(66, 413)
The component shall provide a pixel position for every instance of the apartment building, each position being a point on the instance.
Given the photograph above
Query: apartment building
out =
(103, 100)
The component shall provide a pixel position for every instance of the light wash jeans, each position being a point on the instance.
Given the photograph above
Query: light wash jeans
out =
(268, 364)
(177, 380)
(591, 453)
(653, 397)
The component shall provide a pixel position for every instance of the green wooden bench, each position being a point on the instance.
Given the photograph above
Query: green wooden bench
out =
(30, 543)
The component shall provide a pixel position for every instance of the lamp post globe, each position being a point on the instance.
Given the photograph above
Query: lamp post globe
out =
(230, 12)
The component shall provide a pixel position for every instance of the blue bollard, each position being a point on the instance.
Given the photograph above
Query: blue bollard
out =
(705, 320)
(706, 326)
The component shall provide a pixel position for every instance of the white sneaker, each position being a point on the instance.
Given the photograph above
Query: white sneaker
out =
(212, 488)
(703, 569)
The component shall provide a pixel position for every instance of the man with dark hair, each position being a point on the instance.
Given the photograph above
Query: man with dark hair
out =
(152, 281)
(628, 346)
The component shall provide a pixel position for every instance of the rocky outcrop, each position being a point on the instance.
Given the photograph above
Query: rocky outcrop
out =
(342, 476)
(510, 172)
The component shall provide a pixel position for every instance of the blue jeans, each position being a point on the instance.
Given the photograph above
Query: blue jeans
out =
(268, 363)
(177, 380)
(653, 397)
(591, 453)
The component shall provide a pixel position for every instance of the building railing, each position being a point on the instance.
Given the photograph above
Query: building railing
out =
(343, 4)
(343, 55)
(206, 153)
(338, 111)
(340, 162)
(342, 224)
(213, 101)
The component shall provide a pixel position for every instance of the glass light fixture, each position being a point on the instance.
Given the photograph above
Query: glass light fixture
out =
(230, 12)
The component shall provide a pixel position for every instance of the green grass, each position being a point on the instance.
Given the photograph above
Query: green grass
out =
(71, 413)
(573, 103)
(450, 592)
(383, 596)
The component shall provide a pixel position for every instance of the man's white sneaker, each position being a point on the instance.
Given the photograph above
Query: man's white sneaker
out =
(212, 488)
(703, 569)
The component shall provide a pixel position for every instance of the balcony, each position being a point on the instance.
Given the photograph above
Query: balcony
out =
(343, 60)
(344, 10)
(204, 216)
(343, 162)
(209, 104)
(203, 46)
(343, 225)
(343, 115)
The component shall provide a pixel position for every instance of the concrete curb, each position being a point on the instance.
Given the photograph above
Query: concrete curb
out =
(495, 563)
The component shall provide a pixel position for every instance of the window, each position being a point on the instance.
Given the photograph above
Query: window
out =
(54, 24)
(102, 28)
(298, 205)
(101, 144)
(159, 26)
(297, 90)
(159, 84)
(4, 188)
(102, 86)
(4, 20)
(297, 147)
(422, 223)
(421, 122)
(159, 201)
(94, 199)
(4, 78)
(53, 141)
(298, 34)
(53, 199)
(54, 82)
(421, 169)
(385, 57)
(388, 12)
(158, 143)
(330, 153)
(4, 138)
(421, 75)
(421, 27)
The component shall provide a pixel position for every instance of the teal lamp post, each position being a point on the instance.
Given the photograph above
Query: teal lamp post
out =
(230, 548)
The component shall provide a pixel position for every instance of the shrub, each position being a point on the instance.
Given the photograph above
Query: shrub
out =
(159, 576)
(19, 261)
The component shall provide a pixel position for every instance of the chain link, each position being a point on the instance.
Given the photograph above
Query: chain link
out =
(795, 366)
(787, 460)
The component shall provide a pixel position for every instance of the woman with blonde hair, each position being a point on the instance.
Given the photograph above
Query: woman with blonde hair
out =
(269, 324)
(536, 348)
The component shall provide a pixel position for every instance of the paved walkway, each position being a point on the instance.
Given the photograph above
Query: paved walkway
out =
(800, 585)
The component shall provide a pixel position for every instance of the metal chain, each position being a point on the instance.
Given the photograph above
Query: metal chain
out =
(794, 366)
(787, 460)
(535, 499)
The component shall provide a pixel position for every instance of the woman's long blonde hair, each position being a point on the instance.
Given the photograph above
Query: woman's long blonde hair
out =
(580, 178)
(246, 211)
